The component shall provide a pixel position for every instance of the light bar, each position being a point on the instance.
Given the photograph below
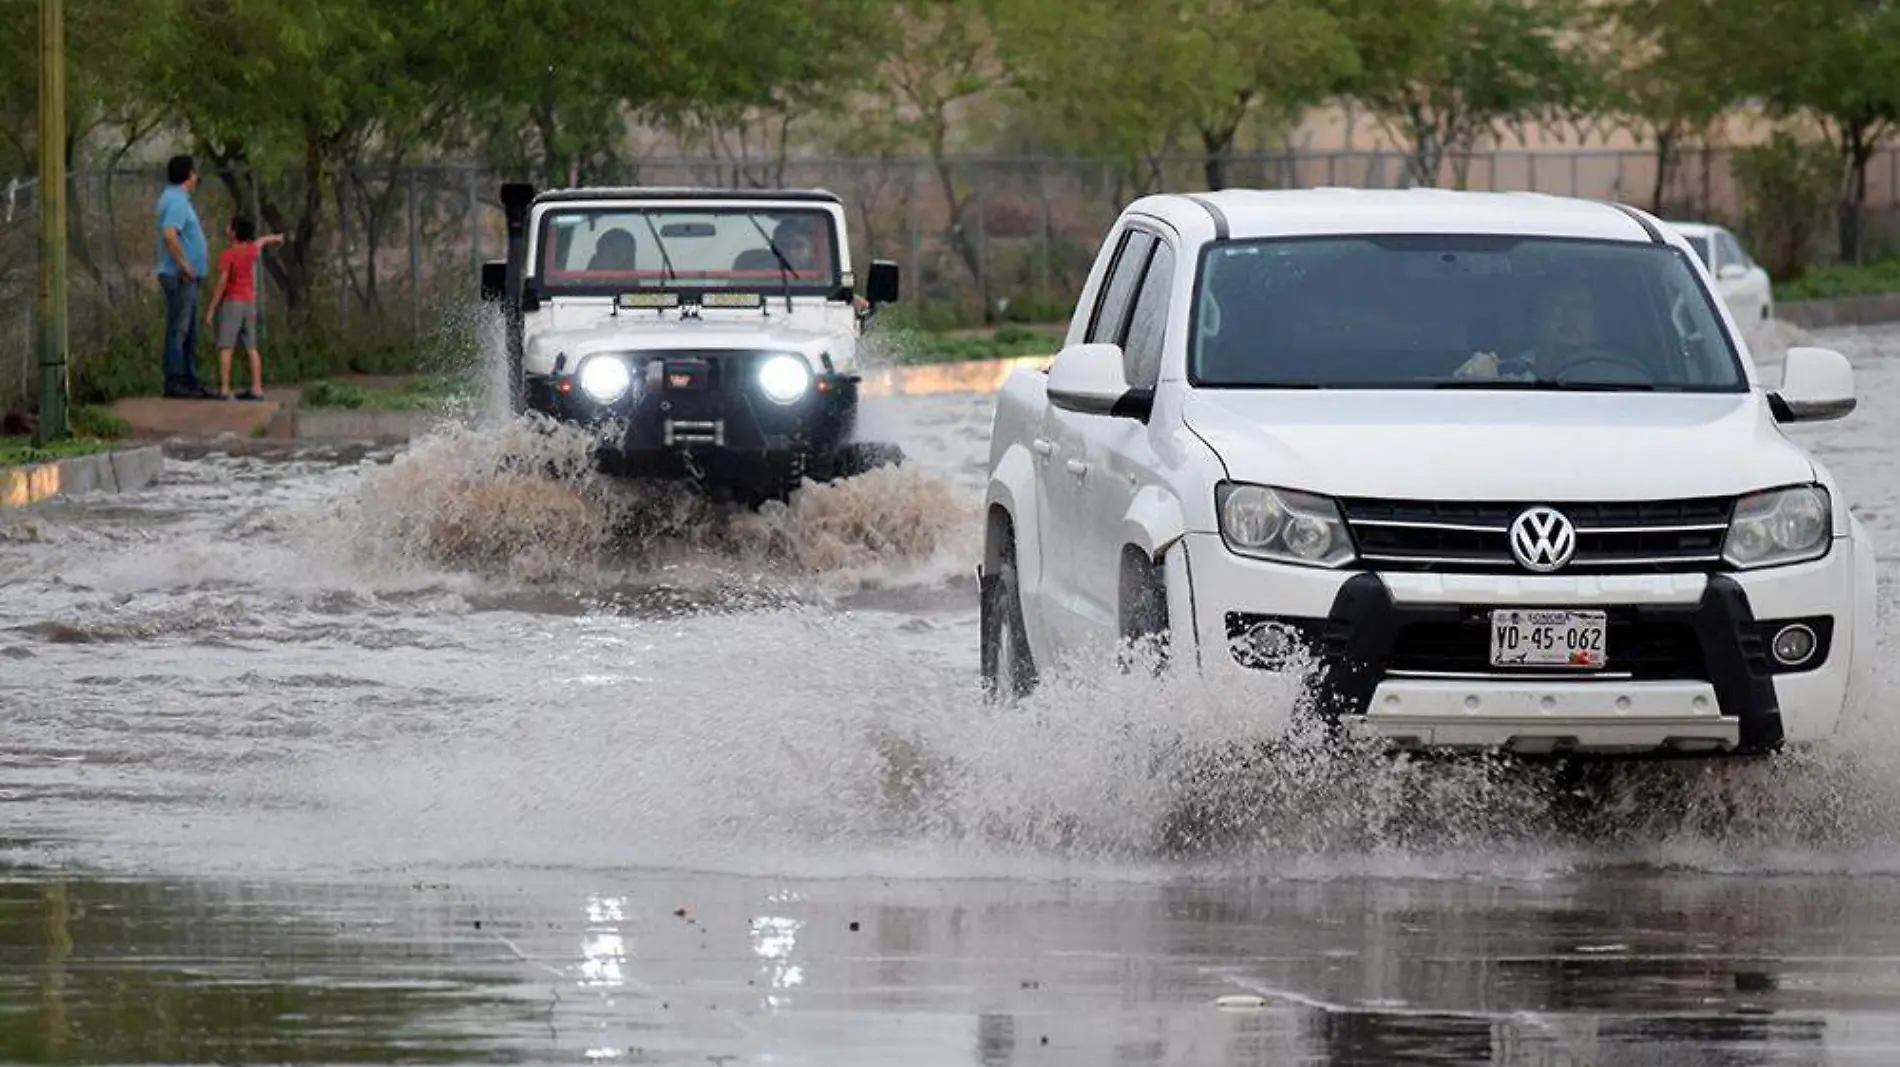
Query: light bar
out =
(647, 300)
(731, 300)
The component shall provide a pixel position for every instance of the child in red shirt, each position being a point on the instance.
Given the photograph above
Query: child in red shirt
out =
(236, 296)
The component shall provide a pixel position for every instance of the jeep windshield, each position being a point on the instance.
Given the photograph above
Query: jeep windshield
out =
(1456, 312)
(605, 251)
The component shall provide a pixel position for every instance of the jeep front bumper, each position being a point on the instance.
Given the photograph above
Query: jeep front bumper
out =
(706, 405)
(1406, 656)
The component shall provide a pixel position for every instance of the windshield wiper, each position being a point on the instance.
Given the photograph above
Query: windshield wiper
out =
(665, 260)
(1546, 386)
(784, 265)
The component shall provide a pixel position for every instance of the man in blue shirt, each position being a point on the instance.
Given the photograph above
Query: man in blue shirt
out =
(182, 263)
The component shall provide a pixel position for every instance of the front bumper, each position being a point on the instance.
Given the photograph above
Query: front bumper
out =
(705, 406)
(1405, 656)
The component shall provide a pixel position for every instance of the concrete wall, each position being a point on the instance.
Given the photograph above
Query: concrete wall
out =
(106, 472)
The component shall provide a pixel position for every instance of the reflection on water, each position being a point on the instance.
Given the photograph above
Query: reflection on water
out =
(1596, 970)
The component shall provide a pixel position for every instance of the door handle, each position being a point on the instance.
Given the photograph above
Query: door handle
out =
(1043, 446)
(1078, 468)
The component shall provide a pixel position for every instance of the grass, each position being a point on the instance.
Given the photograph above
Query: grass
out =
(425, 393)
(93, 430)
(20, 451)
(1828, 283)
(1005, 342)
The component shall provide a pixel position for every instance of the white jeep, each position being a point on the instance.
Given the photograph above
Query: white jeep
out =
(701, 334)
(1498, 463)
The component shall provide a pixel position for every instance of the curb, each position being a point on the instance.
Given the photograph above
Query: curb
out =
(1870, 310)
(122, 471)
(979, 377)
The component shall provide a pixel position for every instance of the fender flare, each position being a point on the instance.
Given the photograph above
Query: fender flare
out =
(1154, 522)
(1012, 487)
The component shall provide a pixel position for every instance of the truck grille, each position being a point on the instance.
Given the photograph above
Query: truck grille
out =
(1612, 538)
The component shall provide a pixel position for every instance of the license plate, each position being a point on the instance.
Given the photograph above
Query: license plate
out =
(1549, 639)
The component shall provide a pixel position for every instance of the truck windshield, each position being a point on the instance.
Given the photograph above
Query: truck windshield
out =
(1454, 311)
(610, 250)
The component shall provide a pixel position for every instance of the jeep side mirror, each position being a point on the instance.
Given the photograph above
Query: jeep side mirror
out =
(880, 286)
(1817, 384)
(1088, 378)
(494, 280)
(1732, 272)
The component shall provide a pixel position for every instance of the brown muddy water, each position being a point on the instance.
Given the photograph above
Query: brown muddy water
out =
(369, 756)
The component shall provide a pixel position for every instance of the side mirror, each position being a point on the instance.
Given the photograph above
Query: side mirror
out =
(1732, 272)
(1817, 384)
(880, 286)
(1088, 378)
(494, 280)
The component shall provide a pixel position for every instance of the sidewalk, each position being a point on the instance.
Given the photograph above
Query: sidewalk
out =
(160, 417)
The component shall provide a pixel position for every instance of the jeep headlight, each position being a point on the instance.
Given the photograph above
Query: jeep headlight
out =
(1778, 527)
(605, 379)
(785, 378)
(1282, 525)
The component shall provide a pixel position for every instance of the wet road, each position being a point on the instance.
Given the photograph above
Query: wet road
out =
(345, 756)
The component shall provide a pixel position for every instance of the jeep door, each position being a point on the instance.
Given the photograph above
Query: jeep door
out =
(1077, 594)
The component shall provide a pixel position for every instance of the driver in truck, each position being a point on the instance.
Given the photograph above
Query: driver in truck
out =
(1567, 325)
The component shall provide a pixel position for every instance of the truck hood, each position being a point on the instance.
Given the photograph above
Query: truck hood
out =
(1454, 445)
(588, 328)
(578, 331)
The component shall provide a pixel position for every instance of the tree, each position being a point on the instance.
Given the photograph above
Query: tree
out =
(1835, 61)
(1668, 76)
(1199, 67)
(801, 62)
(1440, 74)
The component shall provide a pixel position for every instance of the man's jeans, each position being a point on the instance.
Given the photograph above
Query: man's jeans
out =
(181, 333)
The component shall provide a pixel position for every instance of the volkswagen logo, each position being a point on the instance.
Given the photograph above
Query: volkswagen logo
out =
(1542, 540)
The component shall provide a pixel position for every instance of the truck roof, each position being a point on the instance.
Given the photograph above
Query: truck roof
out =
(685, 192)
(1253, 213)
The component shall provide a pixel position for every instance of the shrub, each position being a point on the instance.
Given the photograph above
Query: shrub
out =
(1788, 187)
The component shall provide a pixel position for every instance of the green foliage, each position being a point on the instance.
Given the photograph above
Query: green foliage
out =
(21, 451)
(1197, 69)
(1786, 184)
(424, 393)
(1005, 342)
(97, 423)
(1846, 279)
(1440, 74)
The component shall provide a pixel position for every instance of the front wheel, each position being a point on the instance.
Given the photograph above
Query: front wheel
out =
(1009, 672)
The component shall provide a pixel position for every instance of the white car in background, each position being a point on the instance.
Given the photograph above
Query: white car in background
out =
(1500, 462)
(1743, 283)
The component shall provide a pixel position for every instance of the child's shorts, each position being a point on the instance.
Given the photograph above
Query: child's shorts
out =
(237, 326)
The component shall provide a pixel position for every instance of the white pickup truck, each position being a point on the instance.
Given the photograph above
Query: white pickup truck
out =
(1498, 463)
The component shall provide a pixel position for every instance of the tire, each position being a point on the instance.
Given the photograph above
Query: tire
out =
(1144, 608)
(1008, 669)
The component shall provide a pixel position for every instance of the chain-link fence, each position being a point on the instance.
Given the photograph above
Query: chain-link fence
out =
(382, 260)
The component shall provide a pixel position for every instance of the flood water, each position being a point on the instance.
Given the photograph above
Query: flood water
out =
(353, 755)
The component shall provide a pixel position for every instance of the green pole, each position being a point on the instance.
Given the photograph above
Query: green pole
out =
(52, 197)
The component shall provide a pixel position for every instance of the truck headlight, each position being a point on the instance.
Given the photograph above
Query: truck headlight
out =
(1779, 527)
(784, 379)
(1282, 525)
(605, 379)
